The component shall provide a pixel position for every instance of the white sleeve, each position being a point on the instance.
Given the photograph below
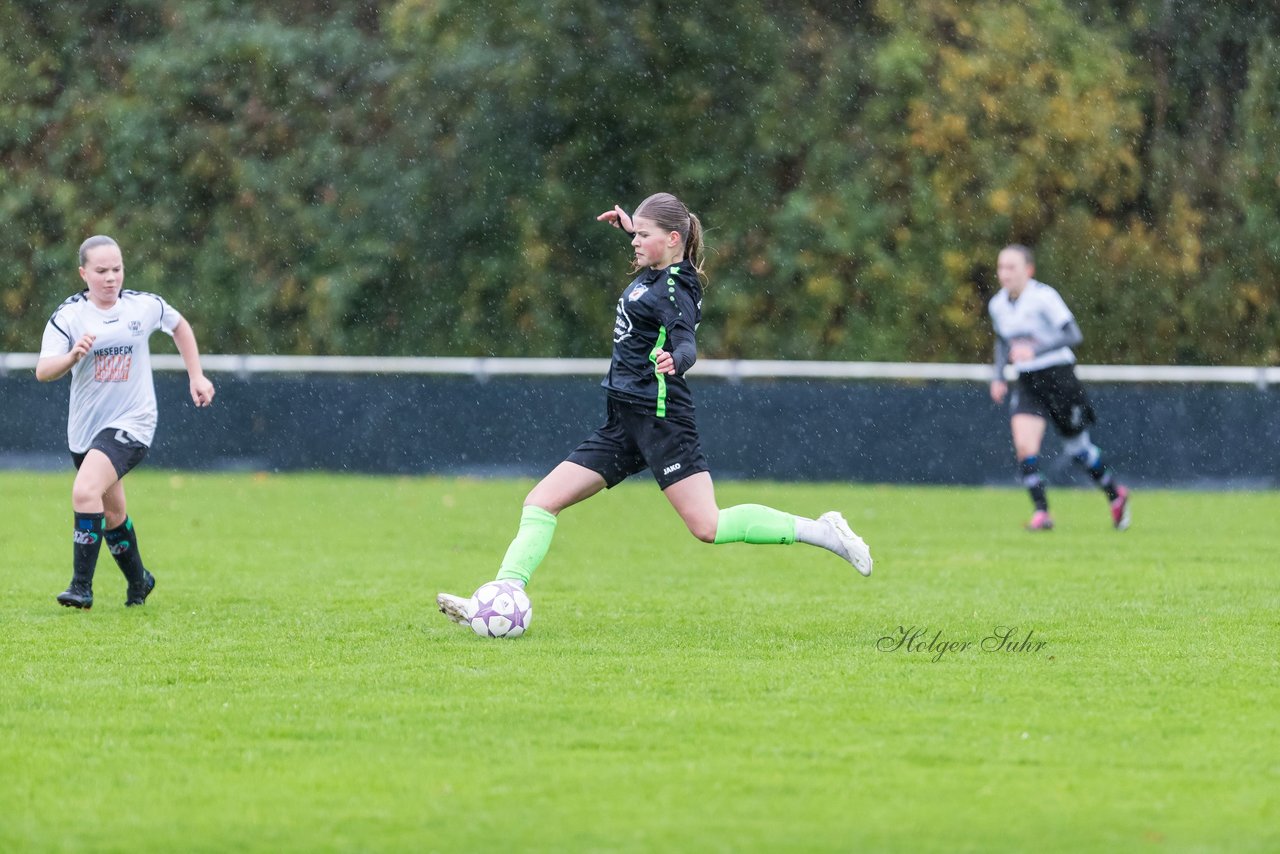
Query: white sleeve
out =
(169, 317)
(57, 339)
(994, 314)
(1056, 313)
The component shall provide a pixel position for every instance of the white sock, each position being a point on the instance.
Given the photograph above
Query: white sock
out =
(815, 532)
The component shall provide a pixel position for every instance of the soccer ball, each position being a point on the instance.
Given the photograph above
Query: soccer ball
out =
(502, 610)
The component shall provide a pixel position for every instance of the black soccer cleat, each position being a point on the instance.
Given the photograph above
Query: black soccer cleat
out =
(138, 593)
(76, 596)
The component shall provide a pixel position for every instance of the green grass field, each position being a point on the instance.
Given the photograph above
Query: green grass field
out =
(290, 686)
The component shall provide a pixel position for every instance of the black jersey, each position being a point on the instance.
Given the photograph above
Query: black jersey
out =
(659, 310)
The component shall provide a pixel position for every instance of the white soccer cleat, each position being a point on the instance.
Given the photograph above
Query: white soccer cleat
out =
(852, 548)
(457, 608)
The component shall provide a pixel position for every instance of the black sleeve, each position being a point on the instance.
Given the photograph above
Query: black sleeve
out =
(1001, 358)
(1068, 336)
(684, 348)
(682, 341)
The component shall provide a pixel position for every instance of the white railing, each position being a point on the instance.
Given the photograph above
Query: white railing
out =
(732, 369)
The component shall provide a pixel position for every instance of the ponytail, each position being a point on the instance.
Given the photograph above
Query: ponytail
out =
(693, 247)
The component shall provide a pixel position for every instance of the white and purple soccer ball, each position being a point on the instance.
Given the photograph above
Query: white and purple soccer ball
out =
(502, 610)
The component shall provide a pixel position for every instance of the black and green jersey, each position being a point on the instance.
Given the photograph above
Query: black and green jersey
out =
(659, 310)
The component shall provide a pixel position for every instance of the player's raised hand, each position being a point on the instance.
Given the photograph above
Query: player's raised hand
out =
(618, 218)
(82, 347)
(201, 391)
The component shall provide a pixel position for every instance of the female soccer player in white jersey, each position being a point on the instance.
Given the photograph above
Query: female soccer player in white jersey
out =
(650, 414)
(100, 336)
(1036, 331)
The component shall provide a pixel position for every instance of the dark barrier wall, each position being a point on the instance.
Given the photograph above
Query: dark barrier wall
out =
(881, 431)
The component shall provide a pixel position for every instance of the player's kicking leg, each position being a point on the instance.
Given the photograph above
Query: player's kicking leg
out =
(566, 485)
(694, 499)
(1089, 457)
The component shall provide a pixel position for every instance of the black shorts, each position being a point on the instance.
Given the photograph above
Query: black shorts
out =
(1054, 394)
(633, 438)
(124, 451)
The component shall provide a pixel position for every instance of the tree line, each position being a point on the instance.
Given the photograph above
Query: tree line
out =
(422, 176)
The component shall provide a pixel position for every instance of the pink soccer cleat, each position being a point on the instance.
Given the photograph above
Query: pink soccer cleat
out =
(1120, 509)
(1040, 521)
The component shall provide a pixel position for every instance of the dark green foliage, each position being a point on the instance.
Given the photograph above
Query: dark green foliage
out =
(422, 176)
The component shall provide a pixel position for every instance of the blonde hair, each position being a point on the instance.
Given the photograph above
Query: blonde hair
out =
(670, 214)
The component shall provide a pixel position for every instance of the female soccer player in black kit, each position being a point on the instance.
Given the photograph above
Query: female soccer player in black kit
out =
(650, 414)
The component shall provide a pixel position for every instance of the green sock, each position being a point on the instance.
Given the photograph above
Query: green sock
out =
(527, 550)
(755, 523)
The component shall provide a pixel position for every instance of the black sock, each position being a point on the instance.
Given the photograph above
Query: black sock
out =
(122, 542)
(1091, 460)
(1098, 470)
(1034, 483)
(86, 541)
(1105, 479)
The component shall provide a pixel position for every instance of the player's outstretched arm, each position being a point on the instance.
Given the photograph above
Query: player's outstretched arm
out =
(52, 368)
(618, 218)
(201, 388)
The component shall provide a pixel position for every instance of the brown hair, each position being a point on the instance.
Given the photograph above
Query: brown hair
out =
(93, 243)
(1027, 254)
(670, 214)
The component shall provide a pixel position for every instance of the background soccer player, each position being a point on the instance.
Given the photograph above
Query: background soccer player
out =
(650, 414)
(100, 336)
(1036, 331)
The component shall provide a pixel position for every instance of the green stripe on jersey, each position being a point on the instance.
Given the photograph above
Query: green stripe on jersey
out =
(662, 378)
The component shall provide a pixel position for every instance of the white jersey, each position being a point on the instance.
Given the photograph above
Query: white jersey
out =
(111, 387)
(1037, 315)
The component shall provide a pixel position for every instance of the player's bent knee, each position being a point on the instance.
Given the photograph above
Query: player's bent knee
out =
(83, 493)
(1026, 449)
(540, 496)
(544, 498)
(705, 535)
(543, 504)
(1079, 446)
(703, 529)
